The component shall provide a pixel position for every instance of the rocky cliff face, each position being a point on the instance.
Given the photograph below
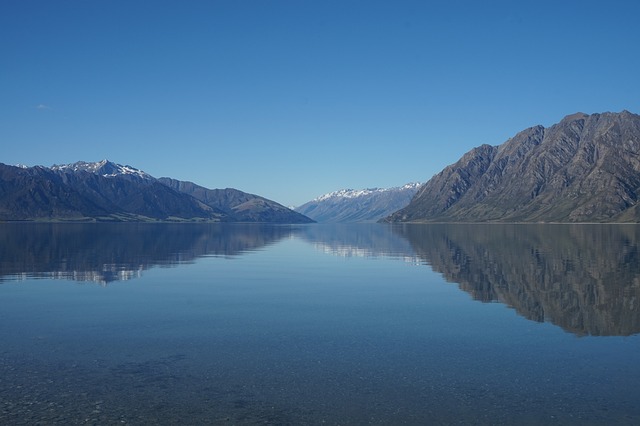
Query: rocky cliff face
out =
(584, 169)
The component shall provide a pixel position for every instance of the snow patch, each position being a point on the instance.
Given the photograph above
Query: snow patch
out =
(105, 168)
(355, 193)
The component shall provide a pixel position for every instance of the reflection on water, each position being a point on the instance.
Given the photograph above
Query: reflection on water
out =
(310, 324)
(110, 252)
(358, 240)
(583, 278)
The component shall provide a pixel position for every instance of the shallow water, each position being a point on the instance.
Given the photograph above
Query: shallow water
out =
(245, 324)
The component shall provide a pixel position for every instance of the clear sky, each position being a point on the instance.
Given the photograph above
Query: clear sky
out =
(293, 99)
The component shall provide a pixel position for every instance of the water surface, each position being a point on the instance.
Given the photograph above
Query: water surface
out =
(342, 324)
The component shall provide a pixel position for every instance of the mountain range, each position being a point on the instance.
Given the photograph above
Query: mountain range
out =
(362, 205)
(586, 168)
(106, 191)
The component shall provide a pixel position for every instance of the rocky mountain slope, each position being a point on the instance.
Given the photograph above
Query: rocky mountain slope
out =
(586, 168)
(107, 191)
(364, 205)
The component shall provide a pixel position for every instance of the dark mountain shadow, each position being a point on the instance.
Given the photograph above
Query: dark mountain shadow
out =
(583, 278)
(111, 252)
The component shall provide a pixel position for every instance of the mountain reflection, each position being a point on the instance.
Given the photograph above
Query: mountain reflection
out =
(583, 278)
(358, 240)
(109, 252)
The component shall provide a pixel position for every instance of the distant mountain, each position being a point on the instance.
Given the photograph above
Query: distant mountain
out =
(243, 207)
(362, 205)
(586, 168)
(102, 191)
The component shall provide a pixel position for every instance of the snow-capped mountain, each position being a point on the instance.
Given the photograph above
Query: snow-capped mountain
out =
(355, 193)
(104, 168)
(359, 205)
(106, 191)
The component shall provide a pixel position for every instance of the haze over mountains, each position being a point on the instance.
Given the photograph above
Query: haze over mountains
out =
(106, 191)
(363, 205)
(586, 168)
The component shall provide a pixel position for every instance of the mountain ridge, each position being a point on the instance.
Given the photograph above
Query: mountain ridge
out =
(107, 191)
(244, 207)
(585, 168)
(105, 168)
(358, 205)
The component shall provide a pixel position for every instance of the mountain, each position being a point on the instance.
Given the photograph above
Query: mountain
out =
(363, 205)
(81, 193)
(102, 191)
(243, 207)
(586, 168)
(104, 168)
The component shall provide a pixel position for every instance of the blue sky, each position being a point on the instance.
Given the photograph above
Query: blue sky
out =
(292, 99)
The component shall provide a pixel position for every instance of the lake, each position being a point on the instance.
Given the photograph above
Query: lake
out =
(310, 324)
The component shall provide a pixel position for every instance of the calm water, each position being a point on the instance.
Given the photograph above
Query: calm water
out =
(247, 324)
